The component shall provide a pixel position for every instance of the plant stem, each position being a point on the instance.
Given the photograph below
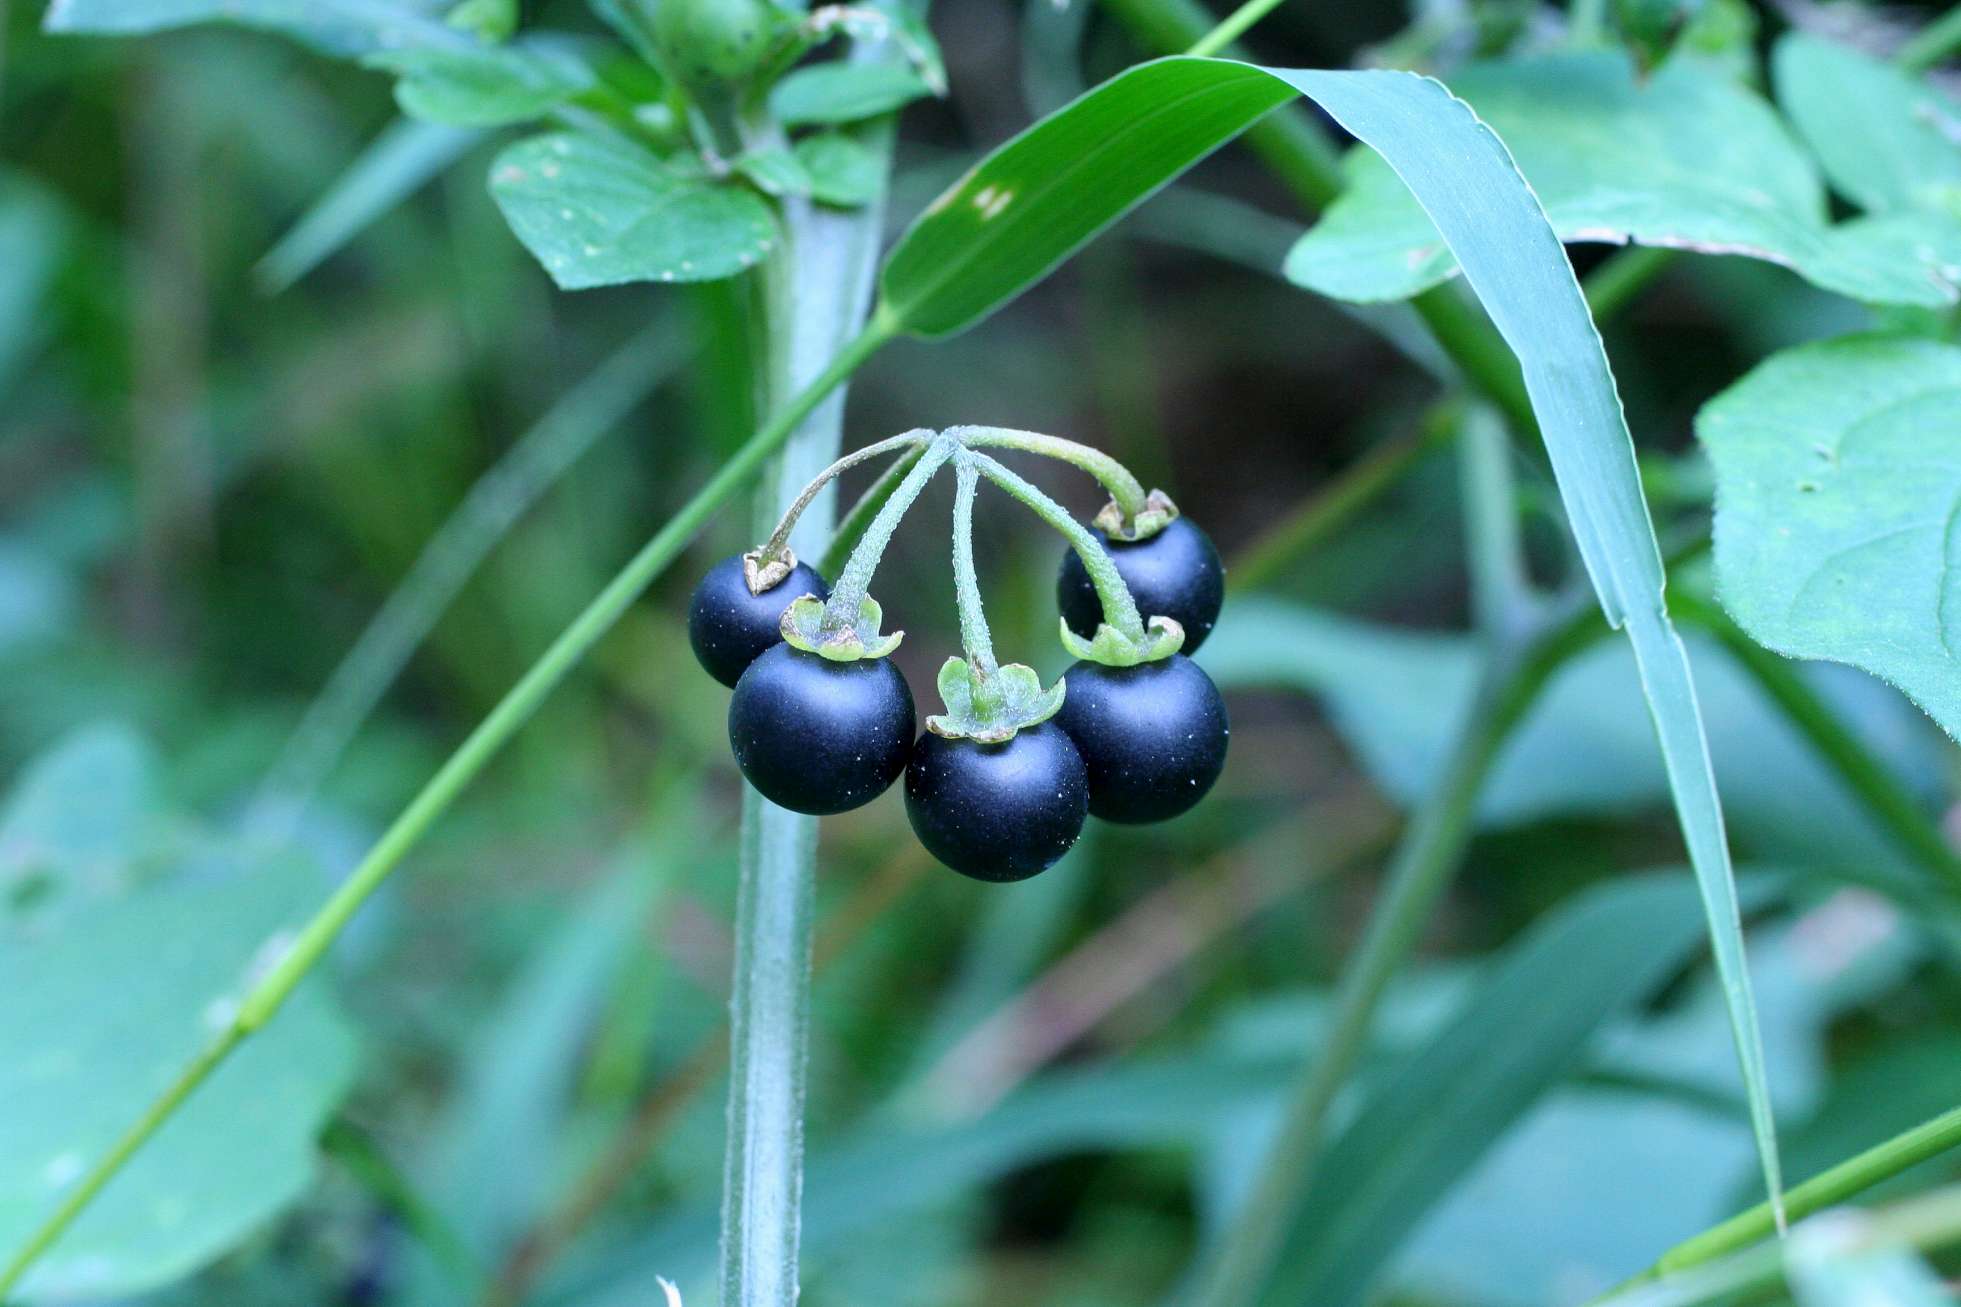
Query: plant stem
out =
(853, 583)
(265, 998)
(853, 525)
(1931, 44)
(1882, 792)
(1125, 490)
(1834, 1185)
(974, 637)
(815, 293)
(1501, 594)
(1622, 276)
(1233, 26)
(779, 539)
(494, 504)
(1425, 859)
(1335, 504)
(1119, 609)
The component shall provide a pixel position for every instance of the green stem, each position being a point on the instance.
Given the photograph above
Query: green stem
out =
(1119, 609)
(1501, 594)
(779, 539)
(1931, 44)
(1618, 279)
(975, 639)
(854, 582)
(1125, 490)
(1425, 859)
(264, 1000)
(1336, 504)
(1882, 792)
(1233, 26)
(1480, 353)
(853, 525)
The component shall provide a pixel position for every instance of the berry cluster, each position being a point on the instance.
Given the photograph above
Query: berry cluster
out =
(999, 786)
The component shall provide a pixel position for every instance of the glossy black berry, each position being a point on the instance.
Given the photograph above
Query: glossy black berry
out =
(1175, 574)
(818, 736)
(998, 812)
(1153, 736)
(729, 628)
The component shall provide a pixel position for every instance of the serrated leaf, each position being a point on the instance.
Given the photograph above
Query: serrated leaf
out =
(339, 27)
(86, 1047)
(1885, 138)
(841, 92)
(1035, 200)
(1838, 509)
(1686, 159)
(841, 170)
(487, 86)
(597, 211)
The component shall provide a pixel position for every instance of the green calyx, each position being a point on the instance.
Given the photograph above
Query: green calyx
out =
(989, 707)
(803, 627)
(1162, 637)
(764, 572)
(1157, 514)
(708, 44)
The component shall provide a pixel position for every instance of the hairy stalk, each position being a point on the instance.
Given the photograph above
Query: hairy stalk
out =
(779, 539)
(263, 1001)
(975, 639)
(854, 582)
(1425, 859)
(494, 504)
(852, 526)
(1119, 609)
(1126, 491)
(816, 293)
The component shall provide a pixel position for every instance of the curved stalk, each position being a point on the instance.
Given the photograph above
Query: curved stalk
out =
(779, 538)
(1126, 491)
(848, 595)
(852, 526)
(975, 639)
(1119, 609)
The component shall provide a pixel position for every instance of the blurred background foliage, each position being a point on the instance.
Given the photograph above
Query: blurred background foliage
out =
(215, 467)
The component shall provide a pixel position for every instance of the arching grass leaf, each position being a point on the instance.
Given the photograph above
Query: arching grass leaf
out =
(1838, 509)
(1043, 194)
(1686, 159)
(599, 211)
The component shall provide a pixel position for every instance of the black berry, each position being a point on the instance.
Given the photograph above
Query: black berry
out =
(1153, 736)
(818, 736)
(1175, 574)
(998, 812)
(730, 628)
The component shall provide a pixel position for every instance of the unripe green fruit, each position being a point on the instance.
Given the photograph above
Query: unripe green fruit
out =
(706, 43)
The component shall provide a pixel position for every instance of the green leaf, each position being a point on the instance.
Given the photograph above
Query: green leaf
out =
(1686, 159)
(1838, 509)
(72, 826)
(87, 1047)
(1434, 1116)
(841, 92)
(842, 171)
(1831, 1261)
(775, 171)
(488, 86)
(1886, 139)
(339, 27)
(393, 167)
(1046, 192)
(598, 211)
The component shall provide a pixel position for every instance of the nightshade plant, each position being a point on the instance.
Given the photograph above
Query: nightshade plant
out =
(709, 140)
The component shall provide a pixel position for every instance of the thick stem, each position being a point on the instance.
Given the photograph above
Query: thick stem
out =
(1126, 491)
(854, 582)
(1425, 860)
(779, 539)
(975, 639)
(816, 292)
(1119, 609)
